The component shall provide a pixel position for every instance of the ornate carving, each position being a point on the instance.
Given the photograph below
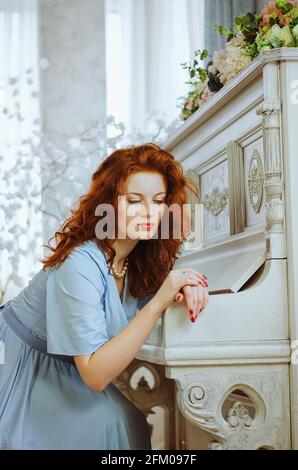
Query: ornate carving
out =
(216, 202)
(202, 403)
(238, 416)
(270, 110)
(239, 419)
(214, 445)
(255, 181)
(267, 108)
(145, 397)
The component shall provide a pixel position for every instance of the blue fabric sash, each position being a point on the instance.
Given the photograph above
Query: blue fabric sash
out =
(26, 335)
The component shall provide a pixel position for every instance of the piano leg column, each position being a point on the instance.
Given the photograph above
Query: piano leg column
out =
(152, 389)
(240, 406)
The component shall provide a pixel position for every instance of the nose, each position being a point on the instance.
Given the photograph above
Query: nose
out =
(148, 208)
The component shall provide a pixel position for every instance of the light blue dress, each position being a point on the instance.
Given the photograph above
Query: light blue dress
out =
(44, 403)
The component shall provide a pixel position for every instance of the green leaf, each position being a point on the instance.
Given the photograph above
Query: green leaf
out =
(204, 54)
(272, 21)
(222, 30)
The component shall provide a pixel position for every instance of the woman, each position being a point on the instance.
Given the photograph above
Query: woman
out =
(74, 328)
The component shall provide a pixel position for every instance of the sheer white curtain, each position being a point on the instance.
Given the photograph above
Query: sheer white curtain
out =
(18, 53)
(146, 40)
(19, 118)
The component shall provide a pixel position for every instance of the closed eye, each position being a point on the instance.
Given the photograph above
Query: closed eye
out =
(137, 202)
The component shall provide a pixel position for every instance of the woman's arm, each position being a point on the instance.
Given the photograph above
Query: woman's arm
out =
(109, 360)
(98, 369)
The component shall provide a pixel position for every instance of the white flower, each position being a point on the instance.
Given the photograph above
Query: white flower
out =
(238, 40)
(231, 60)
(212, 68)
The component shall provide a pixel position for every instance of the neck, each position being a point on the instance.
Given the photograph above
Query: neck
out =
(122, 249)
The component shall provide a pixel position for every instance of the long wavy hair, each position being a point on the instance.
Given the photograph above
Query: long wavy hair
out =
(150, 260)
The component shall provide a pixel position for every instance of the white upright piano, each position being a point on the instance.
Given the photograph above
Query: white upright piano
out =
(228, 381)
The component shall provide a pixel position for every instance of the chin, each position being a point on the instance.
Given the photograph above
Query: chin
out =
(146, 236)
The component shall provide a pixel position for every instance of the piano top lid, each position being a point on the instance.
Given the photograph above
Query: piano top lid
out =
(229, 264)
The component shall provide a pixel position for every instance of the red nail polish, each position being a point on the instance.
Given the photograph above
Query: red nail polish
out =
(191, 312)
(193, 319)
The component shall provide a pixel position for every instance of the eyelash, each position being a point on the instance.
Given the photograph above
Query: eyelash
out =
(136, 202)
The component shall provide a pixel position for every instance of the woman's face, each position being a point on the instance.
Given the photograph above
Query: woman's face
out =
(142, 202)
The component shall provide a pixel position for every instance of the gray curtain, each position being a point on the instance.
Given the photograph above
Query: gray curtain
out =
(261, 4)
(223, 12)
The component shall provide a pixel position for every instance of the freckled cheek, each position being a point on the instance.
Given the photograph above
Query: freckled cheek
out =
(133, 213)
(130, 217)
(161, 212)
(122, 222)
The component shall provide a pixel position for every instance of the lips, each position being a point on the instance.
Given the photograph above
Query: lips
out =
(147, 226)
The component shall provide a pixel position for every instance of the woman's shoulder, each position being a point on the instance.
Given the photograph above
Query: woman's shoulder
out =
(84, 265)
(88, 252)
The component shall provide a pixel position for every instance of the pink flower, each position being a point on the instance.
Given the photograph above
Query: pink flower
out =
(189, 105)
(197, 101)
(270, 11)
(284, 20)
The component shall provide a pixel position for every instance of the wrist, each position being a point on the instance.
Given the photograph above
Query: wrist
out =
(155, 307)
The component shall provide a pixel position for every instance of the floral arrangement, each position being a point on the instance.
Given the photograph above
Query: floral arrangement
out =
(275, 26)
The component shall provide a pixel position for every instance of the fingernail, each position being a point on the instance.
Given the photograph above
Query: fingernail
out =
(192, 317)
(205, 276)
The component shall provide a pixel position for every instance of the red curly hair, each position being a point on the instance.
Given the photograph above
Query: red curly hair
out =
(145, 274)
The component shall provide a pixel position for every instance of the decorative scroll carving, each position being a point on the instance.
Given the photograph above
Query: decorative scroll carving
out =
(216, 202)
(215, 179)
(255, 181)
(201, 403)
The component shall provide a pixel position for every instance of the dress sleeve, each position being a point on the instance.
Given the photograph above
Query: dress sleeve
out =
(75, 316)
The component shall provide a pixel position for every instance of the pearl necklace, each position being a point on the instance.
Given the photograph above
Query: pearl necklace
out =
(122, 273)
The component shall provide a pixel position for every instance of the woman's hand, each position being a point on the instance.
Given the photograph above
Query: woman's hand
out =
(196, 299)
(189, 281)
